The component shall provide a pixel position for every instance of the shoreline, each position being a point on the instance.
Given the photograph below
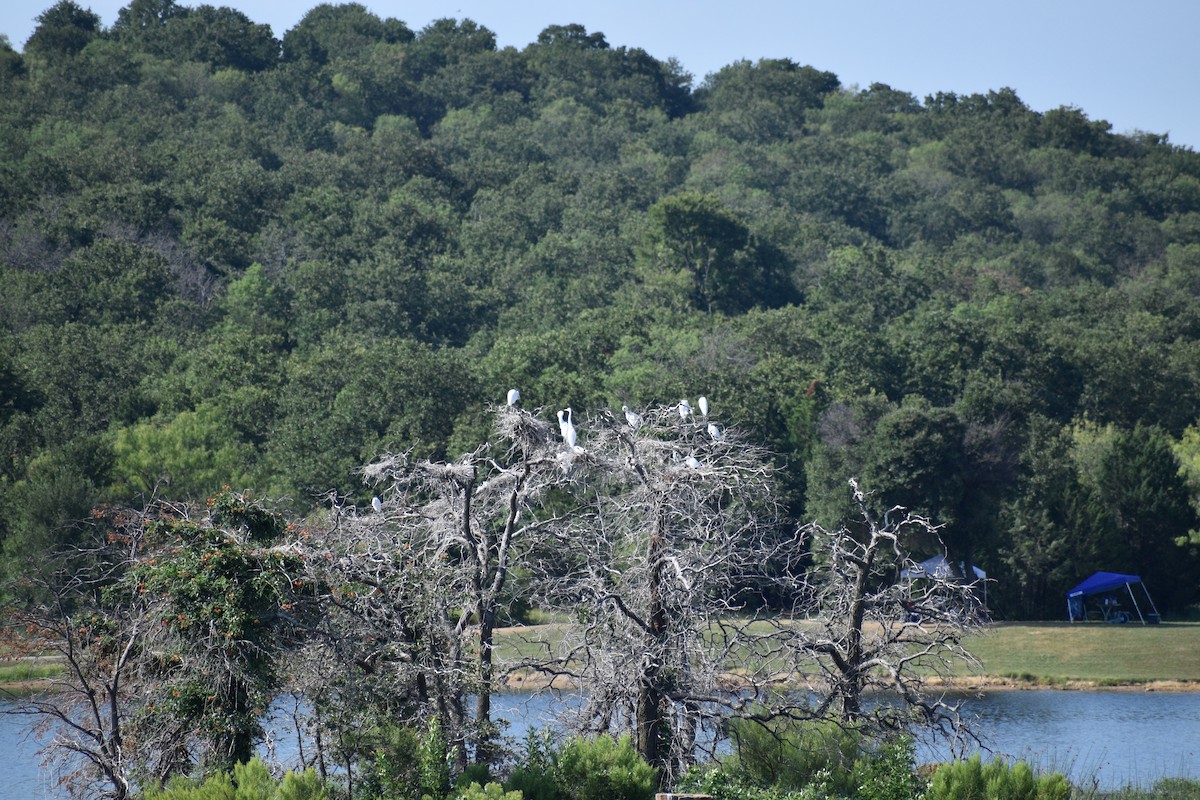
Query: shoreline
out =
(525, 681)
(518, 682)
(1001, 683)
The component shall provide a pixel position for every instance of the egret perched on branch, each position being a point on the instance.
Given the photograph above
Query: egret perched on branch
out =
(566, 427)
(513, 397)
(376, 503)
(685, 408)
(633, 419)
(714, 431)
(703, 403)
(692, 462)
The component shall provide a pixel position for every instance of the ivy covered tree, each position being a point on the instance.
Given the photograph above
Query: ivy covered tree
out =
(171, 627)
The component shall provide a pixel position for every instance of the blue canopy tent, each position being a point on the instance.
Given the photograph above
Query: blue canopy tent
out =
(1108, 583)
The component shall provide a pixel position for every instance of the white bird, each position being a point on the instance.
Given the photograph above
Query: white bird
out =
(703, 403)
(714, 431)
(513, 397)
(692, 462)
(685, 408)
(633, 419)
(566, 427)
(376, 503)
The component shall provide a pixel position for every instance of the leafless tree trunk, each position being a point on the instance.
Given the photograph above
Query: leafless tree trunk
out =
(871, 634)
(432, 569)
(676, 523)
(87, 710)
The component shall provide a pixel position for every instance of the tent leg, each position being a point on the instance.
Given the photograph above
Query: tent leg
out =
(1129, 589)
(1150, 600)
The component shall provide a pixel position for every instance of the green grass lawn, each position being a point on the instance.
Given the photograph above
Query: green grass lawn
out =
(1037, 652)
(21, 671)
(1054, 652)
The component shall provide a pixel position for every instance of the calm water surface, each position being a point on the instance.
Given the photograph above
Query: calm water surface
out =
(1110, 738)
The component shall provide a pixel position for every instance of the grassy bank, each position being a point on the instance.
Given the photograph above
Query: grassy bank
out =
(1031, 653)
(21, 675)
(1059, 653)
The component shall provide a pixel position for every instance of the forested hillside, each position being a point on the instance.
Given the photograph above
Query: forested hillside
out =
(227, 259)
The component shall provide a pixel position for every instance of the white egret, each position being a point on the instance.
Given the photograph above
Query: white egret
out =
(513, 397)
(633, 419)
(692, 462)
(566, 427)
(714, 431)
(377, 504)
(685, 408)
(703, 403)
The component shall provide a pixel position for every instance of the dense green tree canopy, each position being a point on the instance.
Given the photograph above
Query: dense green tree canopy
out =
(232, 258)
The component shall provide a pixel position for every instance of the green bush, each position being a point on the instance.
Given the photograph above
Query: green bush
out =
(393, 765)
(887, 772)
(490, 791)
(305, 785)
(434, 765)
(403, 765)
(791, 755)
(723, 784)
(474, 773)
(534, 775)
(995, 780)
(604, 768)
(249, 781)
(1177, 789)
(877, 772)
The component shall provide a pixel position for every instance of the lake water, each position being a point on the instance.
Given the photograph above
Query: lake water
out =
(1110, 738)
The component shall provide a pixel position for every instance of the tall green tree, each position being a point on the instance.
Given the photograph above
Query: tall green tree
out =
(1148, 500)
(63, 30)
(698, 251)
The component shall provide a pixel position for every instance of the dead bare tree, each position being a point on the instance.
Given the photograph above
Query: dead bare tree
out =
(86, 712)
(677, 513)
(867, 635)
(425, 579)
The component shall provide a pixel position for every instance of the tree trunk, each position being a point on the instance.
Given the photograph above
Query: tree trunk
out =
(651, 721)
(484, 750)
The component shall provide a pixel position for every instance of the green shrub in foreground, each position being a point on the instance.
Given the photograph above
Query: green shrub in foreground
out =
(995, 780)
(820, 759)
(791, 755)
(604, 768)
(490, 791)
(534, 775)
(847, 765)
(249, 781)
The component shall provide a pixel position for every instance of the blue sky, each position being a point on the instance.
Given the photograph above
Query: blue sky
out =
(1135, 65)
